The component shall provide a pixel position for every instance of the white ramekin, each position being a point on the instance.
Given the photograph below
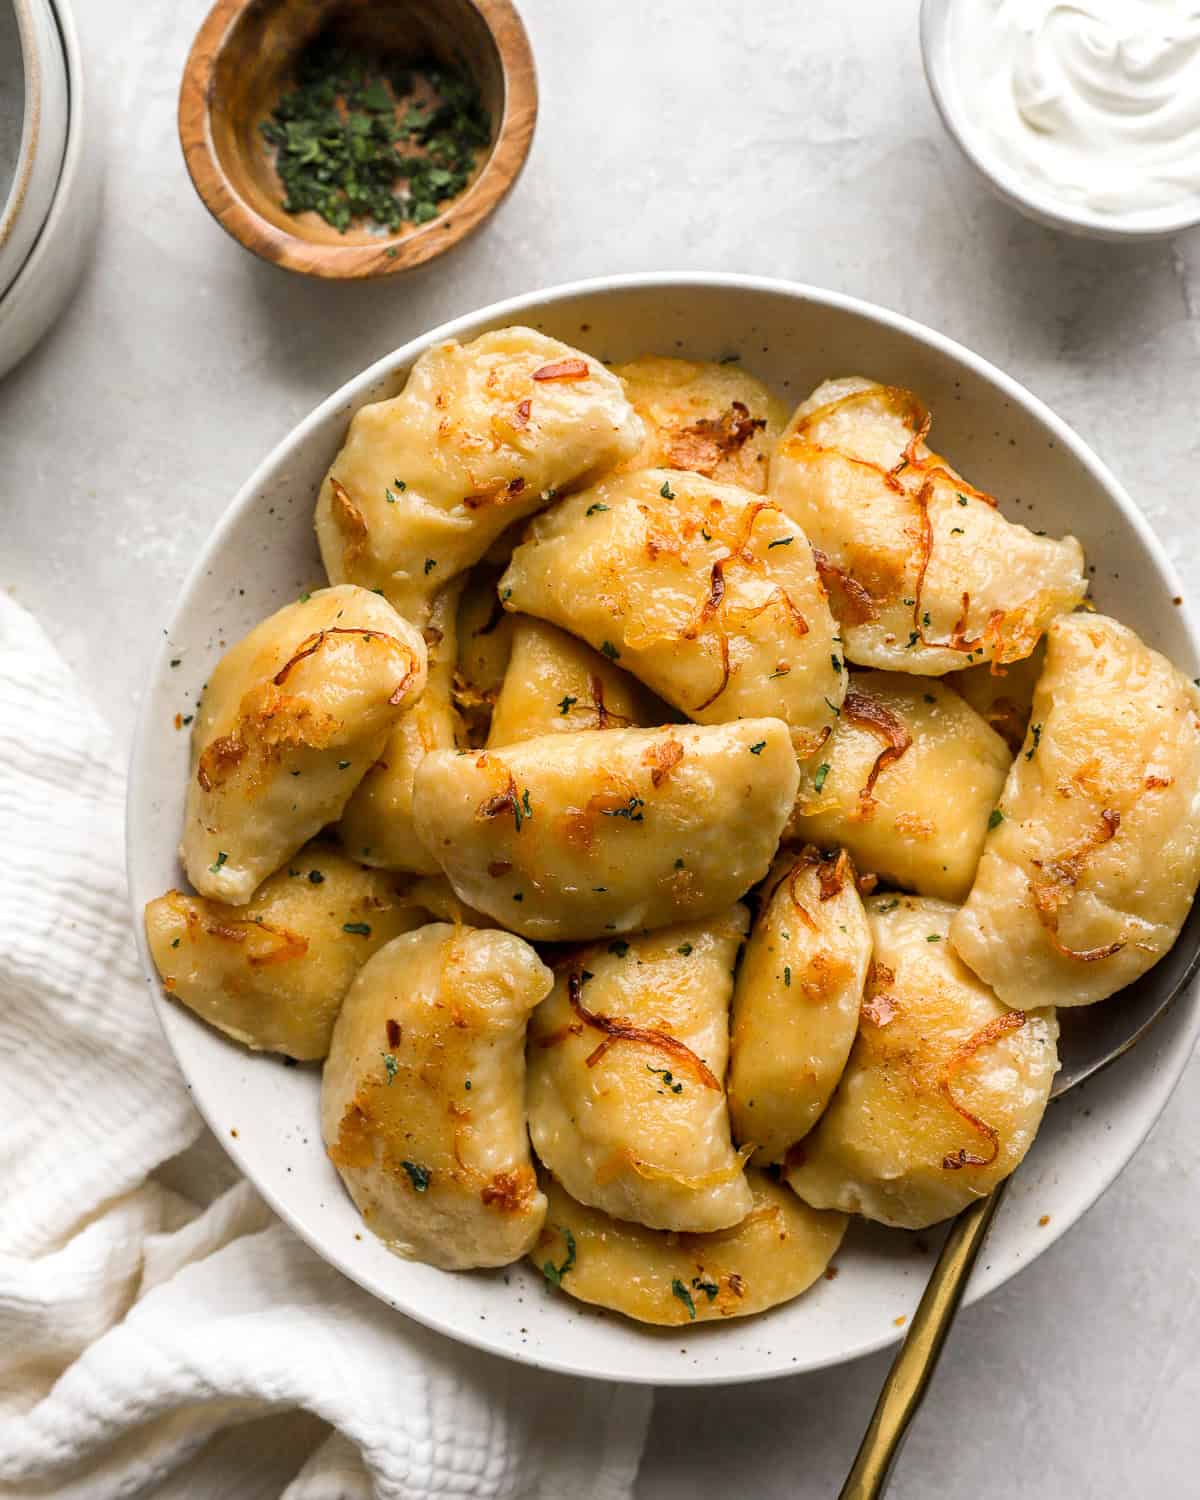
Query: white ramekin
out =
(1020, 192)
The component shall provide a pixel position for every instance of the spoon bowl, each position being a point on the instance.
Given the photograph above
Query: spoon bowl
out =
(1093, 1036)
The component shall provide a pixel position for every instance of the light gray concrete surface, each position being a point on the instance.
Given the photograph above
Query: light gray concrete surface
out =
(790, 139)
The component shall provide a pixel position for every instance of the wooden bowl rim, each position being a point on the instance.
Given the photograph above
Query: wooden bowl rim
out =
(353, 262)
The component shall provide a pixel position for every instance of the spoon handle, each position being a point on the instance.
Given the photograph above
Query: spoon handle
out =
(917, 1357)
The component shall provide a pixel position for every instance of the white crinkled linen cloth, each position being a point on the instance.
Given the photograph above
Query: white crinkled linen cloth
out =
(152, 1345)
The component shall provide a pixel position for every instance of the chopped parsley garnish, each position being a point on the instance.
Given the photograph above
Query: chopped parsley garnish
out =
(316, 877)
(957, 531)
(400, 484)
(518, 895)
(390, 1063)
(929, 698)
(388, 496)
(430, 564)
(419, 1176)
(962, 499)
(304, 598)
(667, 1077)
(506, 596)
(220, 860)
(1036, 731)
(913, 638)
(521, 809)
(684, 948)
(174, 942)
(679, 863)
(554, 1274)
(610, 651)
(836, 662)
(819, 778)
(934, 937)
(783, 541)
(889, 905)
(925, 620)
(759, 748)
(175, 660)
(780, 671)
(996, 818)
(619, 946)
(360, 138)
(630, 810)
(565, 702)
(343, 765)
(706, 1285)
(667, 492)
(679, 1290)
(358, 929)
(787, 976)
(592, 509)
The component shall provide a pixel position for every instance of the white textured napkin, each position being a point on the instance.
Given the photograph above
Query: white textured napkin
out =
(151, 1344)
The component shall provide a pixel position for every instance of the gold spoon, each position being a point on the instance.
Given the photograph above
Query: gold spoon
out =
(1091, 1039)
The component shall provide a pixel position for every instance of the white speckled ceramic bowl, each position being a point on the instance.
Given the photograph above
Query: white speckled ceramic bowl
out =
(1022, 193)
(43, 138)
(47, 276)
(263, 554)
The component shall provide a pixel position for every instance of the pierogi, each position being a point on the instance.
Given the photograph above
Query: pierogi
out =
(291, 720)
(1003, 696)
(555, 684)
(607, 653)
(705, 592)
(626, 1089)
(925, 574)
(772, 1255)
(716, 420)
(423, 1096)
(574, 836)
(272, 974)
(376, 825)
(482, 435)
(1088, 875)
(907, 784)
(945, 1087)
(485, 630)
(796, 1000)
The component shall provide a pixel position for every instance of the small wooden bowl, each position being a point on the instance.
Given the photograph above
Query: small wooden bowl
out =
(242, 60)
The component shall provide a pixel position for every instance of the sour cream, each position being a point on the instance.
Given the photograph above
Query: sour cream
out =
(1096, 102)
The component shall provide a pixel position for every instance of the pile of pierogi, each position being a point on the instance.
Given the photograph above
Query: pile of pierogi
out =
(676, 825)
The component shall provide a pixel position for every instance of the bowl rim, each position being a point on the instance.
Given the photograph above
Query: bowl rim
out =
(1043, 207)
(45, 127)
(1159, 1086)
(31, 120)
(50, 274)
(333, 262)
